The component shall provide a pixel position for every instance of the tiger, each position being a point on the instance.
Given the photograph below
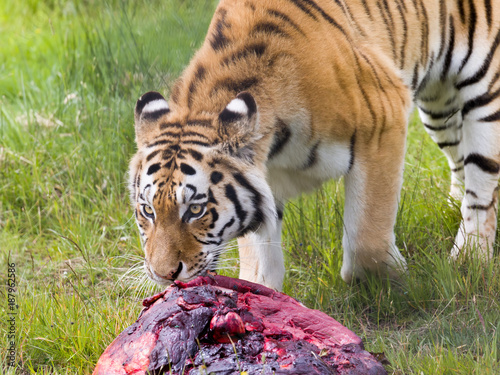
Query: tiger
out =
(284, 95)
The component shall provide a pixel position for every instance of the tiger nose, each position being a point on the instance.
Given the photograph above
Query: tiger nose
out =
(172, 275)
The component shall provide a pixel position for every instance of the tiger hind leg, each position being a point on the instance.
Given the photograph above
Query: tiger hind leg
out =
(471, 144)
(480, 203)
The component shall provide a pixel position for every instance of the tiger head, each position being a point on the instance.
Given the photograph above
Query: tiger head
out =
(196, 182)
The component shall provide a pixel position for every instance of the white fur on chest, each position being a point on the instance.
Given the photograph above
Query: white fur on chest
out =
(301, 167)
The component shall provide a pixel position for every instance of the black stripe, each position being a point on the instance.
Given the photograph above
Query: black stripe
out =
(138, 178)
(405, 35)
(196, 155)
(424, 29)
(471, 193)
(365, 97)
(431, 98)
(440, 128)
(219, 40)
(448, 144)
(374, 71)
(479, 75)
(325, 16)
(442, 25)
(187, 169)
(174, 94)
(235, 86)
(461, 10)
(491, 118)
(388, 29)
(494, 80)
(154, 168)
(256, 201)
(218, 242)
(367, 9)
(255, 49)
(269, 28)
(190, 187)
(302, 7)
(194, 134)
(198, 77)
(449, 52)
(460, 167)
(285, 18)
(240, 212)
(485, 164)
(152, 155)
(439, 115)
(227, 225)
(190, 142)
(201, 122)
(414, 80)
(215, 217)
(488, 11)
(312, 157)
(174, 125)
(199, 196)
(211, 198)
(472, 30)
(389, 15)
(155, 115)
(281, 137)
(351, 151)
(247, 185)
(482, 207)
(479, 101)
(169, 133)
(157, 143)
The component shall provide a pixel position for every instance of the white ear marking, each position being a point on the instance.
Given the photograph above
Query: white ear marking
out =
(238, 106)
(155, 105)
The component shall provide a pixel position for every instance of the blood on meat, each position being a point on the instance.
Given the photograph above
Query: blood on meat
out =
(223, 325)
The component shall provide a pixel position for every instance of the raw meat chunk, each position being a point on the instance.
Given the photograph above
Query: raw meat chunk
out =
(221, 325)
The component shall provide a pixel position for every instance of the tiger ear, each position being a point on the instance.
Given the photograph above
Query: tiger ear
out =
(148, 109)
(239, 126)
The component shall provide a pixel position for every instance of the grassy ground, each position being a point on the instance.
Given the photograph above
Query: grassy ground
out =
(70, 73)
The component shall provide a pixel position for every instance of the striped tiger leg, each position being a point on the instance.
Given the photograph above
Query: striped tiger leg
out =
(482, 171)
(261, 258)
(442, 120)
(371, 201)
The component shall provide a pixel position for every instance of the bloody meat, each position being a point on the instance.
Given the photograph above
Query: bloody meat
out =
(221, 325)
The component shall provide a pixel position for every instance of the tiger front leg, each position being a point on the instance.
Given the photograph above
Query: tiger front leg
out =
(371, 200)
(261, 258)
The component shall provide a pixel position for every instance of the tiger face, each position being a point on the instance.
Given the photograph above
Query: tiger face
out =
(195, 185)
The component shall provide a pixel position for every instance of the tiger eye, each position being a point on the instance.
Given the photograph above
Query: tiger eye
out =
(148, 210)
(195, 209)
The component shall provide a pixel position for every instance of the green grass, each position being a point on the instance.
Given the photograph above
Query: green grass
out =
(70, 73)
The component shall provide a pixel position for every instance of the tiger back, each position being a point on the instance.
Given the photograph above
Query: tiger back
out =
(286, 94)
